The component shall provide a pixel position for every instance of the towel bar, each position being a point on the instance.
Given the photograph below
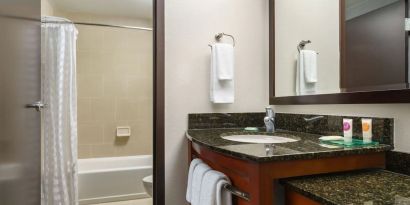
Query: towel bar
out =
(237, 192)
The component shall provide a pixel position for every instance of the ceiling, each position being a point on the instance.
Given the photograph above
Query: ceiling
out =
(127, 8)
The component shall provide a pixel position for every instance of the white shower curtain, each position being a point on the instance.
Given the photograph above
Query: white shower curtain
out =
(59, 92)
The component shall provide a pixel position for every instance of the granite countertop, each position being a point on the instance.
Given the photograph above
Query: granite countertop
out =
(369, 187)
(308, 147)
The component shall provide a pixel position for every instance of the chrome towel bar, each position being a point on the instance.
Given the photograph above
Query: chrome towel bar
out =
(237, 192)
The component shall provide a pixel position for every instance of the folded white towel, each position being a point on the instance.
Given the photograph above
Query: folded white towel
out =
(310, 65)
(302, 86)
(192, 167)
(209, 187)
(223, 197)
(199, 173)
(224, 60)
(221, 91)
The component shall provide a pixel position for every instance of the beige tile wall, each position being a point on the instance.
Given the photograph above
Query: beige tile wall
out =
(114, 69)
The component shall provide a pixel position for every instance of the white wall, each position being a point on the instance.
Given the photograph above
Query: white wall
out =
(189, 27)
(400, 112)
(315, 20)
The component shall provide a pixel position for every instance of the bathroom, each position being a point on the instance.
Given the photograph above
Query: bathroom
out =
(144, 109)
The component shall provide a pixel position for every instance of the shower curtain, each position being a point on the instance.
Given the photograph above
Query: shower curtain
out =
(59, 93)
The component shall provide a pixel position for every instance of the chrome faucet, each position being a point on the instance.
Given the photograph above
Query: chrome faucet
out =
(269, 120)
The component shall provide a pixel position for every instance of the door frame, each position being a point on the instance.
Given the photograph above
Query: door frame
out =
(159, 103)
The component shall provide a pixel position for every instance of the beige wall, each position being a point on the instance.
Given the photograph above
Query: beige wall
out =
(114, 89)
(190, 26)
(315, 20)
(47, 9)
(114, 73)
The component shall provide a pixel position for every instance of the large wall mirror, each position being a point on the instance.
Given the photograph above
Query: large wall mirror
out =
(328, 50)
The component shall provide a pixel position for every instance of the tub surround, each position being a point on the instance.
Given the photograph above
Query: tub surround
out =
(360, 187)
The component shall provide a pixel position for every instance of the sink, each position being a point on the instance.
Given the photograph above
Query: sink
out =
(259, 139)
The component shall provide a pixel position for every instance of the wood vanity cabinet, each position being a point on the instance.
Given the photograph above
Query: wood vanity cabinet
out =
(257, 179)
(294, 198)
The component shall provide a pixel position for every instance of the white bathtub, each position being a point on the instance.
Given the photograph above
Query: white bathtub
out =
(112, 179)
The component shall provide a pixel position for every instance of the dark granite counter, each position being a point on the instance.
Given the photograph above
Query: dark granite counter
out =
(372, 187)
(308, 147)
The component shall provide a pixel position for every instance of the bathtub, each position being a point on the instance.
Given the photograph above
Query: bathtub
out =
(112, 179)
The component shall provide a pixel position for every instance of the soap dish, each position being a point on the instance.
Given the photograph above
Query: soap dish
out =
(251, 129)
(354, 143)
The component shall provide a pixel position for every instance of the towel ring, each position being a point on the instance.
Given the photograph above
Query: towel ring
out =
(302, 45)
(219, 36)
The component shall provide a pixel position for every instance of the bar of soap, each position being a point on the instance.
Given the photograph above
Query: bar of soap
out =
(331, 138)
(251, 129)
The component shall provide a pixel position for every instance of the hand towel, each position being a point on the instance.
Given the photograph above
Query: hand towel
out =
(310, 65)
(302, 86)
(221, 91)
(192, 167)
(224, 61)
(209, 187)
(199, 173)
(223, 197)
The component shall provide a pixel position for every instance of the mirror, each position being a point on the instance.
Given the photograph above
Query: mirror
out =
(339, 46)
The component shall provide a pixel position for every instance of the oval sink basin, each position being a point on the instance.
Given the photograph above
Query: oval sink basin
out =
(259, 139)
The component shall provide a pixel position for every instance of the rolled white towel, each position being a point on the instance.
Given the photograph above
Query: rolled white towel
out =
(192, 167)
(199, 173)
(223, 197)
(209, 187)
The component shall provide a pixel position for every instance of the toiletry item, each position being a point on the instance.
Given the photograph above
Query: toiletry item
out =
(330, 138)
(367, 130)
(347, 130)
(251, 129)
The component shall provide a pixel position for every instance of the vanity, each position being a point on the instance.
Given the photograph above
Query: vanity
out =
(342, 52)
(255, 167)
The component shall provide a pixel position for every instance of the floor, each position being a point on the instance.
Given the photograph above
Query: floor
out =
(131, 202)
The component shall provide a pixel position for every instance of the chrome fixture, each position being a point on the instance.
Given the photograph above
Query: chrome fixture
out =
(269, 149)
(219, 36)
(237, 192)
(269, 120)
(37, 106)
(302, 45)
(100, 24)
(313, 119)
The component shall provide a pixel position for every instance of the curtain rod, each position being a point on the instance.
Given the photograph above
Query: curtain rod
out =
(99, 24)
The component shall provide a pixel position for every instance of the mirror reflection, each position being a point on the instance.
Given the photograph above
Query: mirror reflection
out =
(334, 46)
